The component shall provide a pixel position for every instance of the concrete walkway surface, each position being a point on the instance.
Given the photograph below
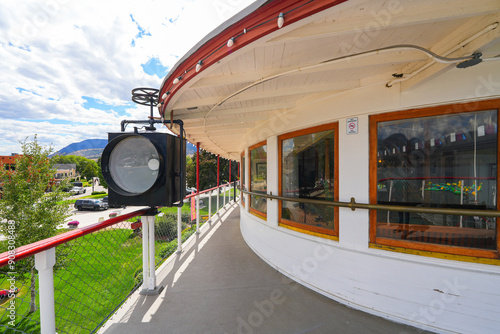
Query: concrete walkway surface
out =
(219, 285)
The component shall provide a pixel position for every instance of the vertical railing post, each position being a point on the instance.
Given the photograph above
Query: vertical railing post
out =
(218, 180)
(145, 253)
(152, 258)
(390, 195)
(234, 191)
(218, 199)
(224, 192)
(218, 170)
(210, 206)
(179, 230)
(197, 213)
(148, 255)
(44, 263)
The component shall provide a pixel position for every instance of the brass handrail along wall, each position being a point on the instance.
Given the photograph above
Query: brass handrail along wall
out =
(353, 206)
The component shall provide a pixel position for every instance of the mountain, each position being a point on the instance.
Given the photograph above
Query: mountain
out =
(190, 149)
(89, 148)
(92, 148)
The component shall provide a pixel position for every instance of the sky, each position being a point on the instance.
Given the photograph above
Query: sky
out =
(67, 67)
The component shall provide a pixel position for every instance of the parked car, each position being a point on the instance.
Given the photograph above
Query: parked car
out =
(77, 190)
(90, 204)
(190, 191)
(105, 200)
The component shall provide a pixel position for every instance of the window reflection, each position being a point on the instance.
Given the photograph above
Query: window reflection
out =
(447, 161)
(258, 178)
(308, 172)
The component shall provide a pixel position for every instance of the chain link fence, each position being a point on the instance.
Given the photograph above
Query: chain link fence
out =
(93, 276)
(19, 304)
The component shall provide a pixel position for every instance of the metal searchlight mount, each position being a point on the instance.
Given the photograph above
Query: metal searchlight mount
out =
(145, 168)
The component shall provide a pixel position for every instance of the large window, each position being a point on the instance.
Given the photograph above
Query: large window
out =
(308, 169)
(443, 157)
(258, 179)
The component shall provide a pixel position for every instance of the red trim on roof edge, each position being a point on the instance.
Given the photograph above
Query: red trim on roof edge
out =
(302, 9)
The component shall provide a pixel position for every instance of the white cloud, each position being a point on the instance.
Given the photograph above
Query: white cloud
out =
(56, 53)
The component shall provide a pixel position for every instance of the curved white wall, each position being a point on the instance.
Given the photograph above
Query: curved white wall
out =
(436, 294)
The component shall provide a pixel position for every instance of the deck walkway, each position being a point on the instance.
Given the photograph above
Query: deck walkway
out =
(218, 285)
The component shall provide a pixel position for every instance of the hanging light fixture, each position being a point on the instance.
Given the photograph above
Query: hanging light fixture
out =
(176, 80)
(198, 66)
(230, 42)
(281, 20)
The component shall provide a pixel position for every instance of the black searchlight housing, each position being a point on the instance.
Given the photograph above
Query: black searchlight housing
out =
(144, 169)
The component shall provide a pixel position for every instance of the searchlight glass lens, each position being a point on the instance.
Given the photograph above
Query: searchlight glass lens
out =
(134, 164)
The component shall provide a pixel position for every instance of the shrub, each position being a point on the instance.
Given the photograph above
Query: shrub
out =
(166, 227)
(98, 192)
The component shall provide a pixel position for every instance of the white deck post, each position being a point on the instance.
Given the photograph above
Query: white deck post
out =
(152, 258)
(179, 230)
(145, 253)
(224, 192)
(198, 214)
(218, 195)
(44, 263)
(210, 206)
(148, 257)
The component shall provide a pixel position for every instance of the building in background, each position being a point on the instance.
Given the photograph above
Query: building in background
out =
(9, 161)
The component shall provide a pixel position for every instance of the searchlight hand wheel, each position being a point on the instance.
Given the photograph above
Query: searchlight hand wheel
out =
(146, 96)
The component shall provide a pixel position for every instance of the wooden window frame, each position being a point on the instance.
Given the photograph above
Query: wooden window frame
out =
(320, 231)
(256, 212)
(417, 113)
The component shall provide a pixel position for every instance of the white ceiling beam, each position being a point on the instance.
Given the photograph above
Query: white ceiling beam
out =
(396, 57)
(190, 114)
(225, 121)
(400, 13)
(234, 129)
(272, 93)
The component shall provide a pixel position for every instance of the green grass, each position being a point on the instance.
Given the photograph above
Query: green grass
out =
(91, 285)
(100, 273)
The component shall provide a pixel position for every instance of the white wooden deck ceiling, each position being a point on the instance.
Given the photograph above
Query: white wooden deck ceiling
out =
(450, 28)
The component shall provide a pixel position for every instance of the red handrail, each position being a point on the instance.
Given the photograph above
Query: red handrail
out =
(42, 245)
(206, 190)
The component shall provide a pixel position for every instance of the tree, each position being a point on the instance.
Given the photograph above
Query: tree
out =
(208, 170)
(90, 171)
(86, 167)
(27, 213)
(102, 182)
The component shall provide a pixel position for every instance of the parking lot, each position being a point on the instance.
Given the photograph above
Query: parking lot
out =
(89, 217)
